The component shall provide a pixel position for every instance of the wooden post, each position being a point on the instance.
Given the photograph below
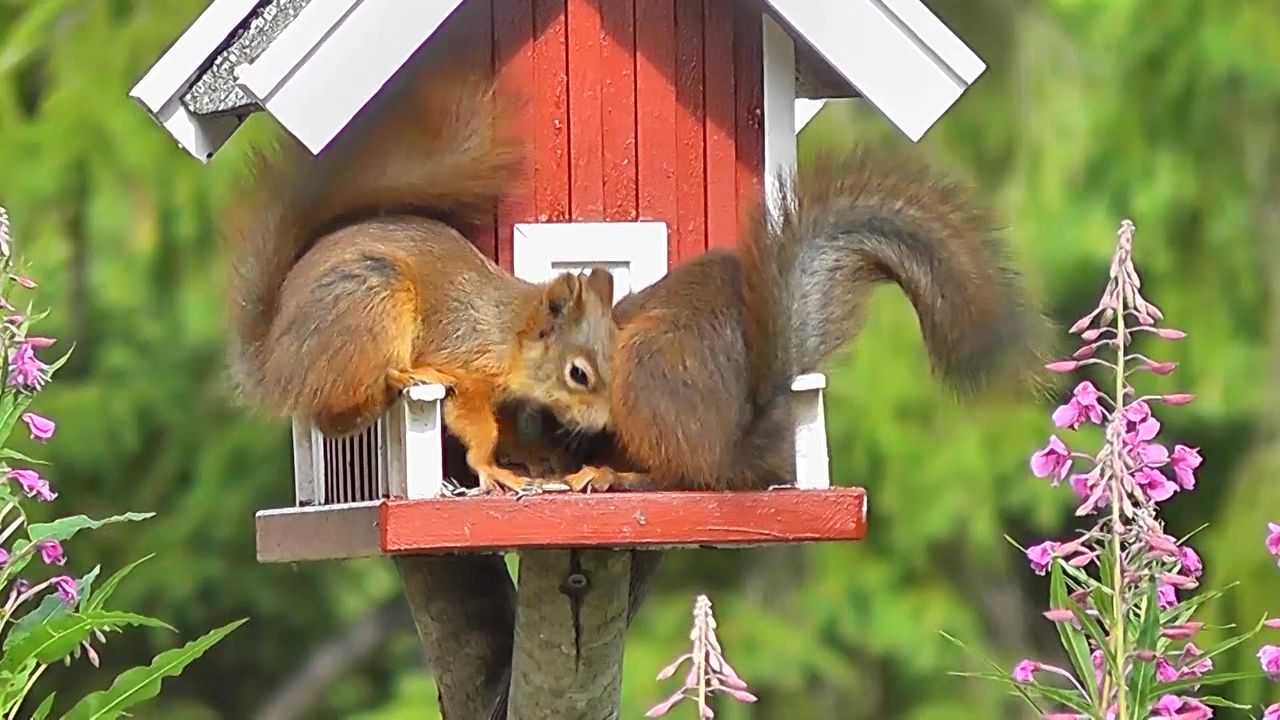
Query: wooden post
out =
(464, 609)
(571, 624)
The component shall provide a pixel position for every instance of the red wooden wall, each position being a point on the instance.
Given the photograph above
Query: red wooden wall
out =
(636, 110)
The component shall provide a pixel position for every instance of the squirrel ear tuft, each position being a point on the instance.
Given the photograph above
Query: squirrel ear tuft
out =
(600, 282)
(562, 294)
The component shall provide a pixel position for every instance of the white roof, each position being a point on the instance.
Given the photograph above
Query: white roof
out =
(330, 59)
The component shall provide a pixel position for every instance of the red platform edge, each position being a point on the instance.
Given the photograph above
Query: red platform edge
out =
(622, 520)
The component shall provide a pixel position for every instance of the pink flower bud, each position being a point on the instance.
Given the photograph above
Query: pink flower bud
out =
(1273, 623)
(1059, 615)
(1082, 559)
(1091, 334)
(40, 342)
(1162, 543)
(1182, 632)
(1145, 655)
(1083, 322)
(1177, 398)
(1161, 368)
(1170, 334)
(14, 319)
(1062, 366)
(25, 282)
(1085, 352)
(1178, 581)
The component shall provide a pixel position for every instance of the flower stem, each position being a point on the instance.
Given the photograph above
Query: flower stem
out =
(1117, 560)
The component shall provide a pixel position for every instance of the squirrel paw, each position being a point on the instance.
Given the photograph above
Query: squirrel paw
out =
(401, 380)
(599, 479)
(495, 479)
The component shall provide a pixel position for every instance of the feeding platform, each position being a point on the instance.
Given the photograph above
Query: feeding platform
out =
(384, 492)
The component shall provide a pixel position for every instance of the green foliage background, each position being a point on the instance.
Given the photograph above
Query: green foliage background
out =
(1091, 111)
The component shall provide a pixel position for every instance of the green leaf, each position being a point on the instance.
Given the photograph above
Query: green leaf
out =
(50, 606)
(56, 639)
(140, 684)
(1223, 702)
(42, 711)
(1073, 640)
(65, 528)
(98, 599)
(1000, 673)
(8, 454)
(1205, 680)
(1145, 672)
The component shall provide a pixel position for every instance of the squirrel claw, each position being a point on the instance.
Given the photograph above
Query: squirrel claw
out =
(496, 479)
(589, 479)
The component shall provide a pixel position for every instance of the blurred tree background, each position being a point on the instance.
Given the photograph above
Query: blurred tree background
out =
(1091, 111)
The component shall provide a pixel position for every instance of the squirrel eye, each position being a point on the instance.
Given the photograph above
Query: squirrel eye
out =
(578, 375)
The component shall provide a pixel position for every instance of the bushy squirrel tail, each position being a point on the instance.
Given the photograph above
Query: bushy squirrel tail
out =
(846, 222)
(437, 145)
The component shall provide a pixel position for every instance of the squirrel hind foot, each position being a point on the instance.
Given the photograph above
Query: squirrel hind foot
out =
(495, 479)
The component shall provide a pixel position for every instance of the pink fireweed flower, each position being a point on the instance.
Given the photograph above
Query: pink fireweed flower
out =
(26, 370)
(66, 587)
(51, 552)
(1165, 671)
(41, 427)
(1153, 482)
(25, 282)
(1164, 544)
(1083, 407)
(1040, 556)
(1166, 596)
(1269, 658)
(1025, 671)
(1192, 665)
(1272, 712)
(1143, 426)
(4, 557)
(1180, 708)
(1190, 561)
(1053, 460)
(1185, 460)
(1152, 455)
(32, 484)
(1273, 539)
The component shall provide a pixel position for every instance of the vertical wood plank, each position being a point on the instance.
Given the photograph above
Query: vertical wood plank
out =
(551, 132)
(513, 43)
(721, 124)
(691, 195)
(586, 133)
(749, 71)
(656, 113)
(618, 100)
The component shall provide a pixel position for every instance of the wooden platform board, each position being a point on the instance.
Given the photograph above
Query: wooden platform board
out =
(603, 520)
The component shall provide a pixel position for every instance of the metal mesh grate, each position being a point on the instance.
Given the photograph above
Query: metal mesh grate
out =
(353, 468)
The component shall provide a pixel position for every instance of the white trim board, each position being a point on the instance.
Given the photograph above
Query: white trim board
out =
(160, 90)
(896, 53)
(333, 58)
(635, 252)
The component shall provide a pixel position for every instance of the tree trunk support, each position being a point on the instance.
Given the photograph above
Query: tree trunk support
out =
(551, 652)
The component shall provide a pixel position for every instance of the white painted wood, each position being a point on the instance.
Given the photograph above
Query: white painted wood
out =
(807, 110)
(635, 252)
(160, 90)
(813, 462)
(331, 60)
(308, 463)
(938, 37)
(907, 68)
(415, 444)
(779, 105)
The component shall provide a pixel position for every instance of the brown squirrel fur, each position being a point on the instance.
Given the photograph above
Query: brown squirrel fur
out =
(705, 357)
(351, 280)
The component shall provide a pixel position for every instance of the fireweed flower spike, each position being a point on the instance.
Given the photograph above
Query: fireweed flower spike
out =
(709, 672)
(1117, 590)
